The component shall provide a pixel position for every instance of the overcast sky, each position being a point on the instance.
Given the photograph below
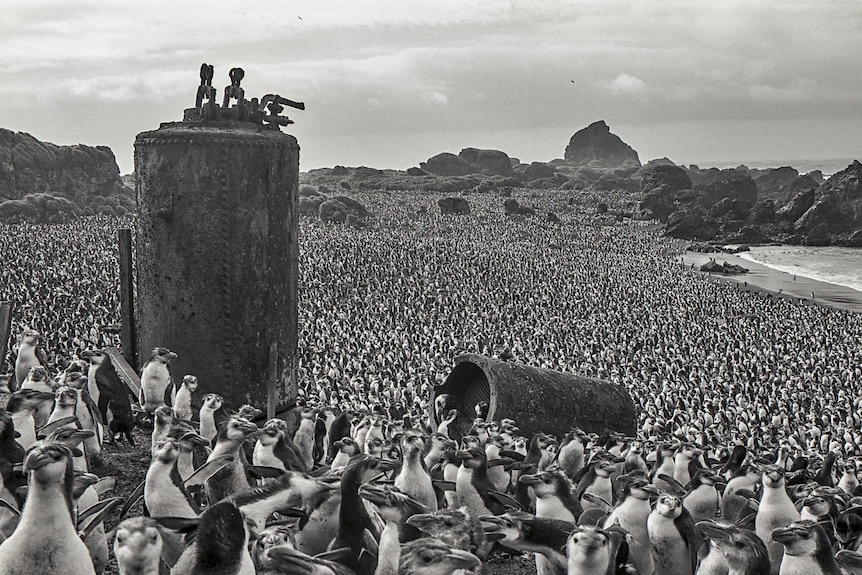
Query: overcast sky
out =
(388, 83)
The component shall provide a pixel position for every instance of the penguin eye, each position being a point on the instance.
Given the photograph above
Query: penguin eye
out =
(739, 544)
(426, 557)
(448, 523)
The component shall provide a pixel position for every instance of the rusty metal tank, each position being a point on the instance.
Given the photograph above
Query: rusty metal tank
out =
(217, 247)
(537, 399)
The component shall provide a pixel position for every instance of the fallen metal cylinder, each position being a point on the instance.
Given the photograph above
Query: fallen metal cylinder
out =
(537, 399)
(217, 255)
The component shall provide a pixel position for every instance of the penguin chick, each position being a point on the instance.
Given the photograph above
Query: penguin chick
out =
(27, 358)
(212, 403)
(183, 400)
(806, 549)
(138, 546)
(744, 552)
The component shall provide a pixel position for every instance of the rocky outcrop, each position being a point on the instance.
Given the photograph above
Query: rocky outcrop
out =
(691, 224)
(458, 206)
(596, 146)
(725, 268)
(660, 186)
(511, 207)
(488, 162)
(837, 204)
(338, 209)
(538, 170)
(45, 180)
(447, 164)
(797, 206)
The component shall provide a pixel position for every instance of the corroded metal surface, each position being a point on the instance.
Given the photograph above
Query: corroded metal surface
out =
(537, 399)
(217, 251)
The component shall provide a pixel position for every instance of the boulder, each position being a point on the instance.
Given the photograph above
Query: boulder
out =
(602, 208)
(416, 172)
(537, 170)
(488, 162)
(454, 205)
(724, 268)
(353, 206)
(310, 205)
(731, 208)
(690, 224)
(596, 146)
(798, 205)
(735, 188)
(855, 240)
(775, 183)
(356, 222)
(512, 208)
(837, 203)
(447, 164)
(818, 236)
(338, 208)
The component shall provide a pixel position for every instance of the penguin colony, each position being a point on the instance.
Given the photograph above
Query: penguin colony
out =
(336, 492)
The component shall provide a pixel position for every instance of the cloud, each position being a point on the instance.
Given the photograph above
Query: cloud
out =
(625, 84)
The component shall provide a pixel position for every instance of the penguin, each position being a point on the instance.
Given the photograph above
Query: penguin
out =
(394, 509)
(632, 512)
(360, 432)
(88, 416)
(735, 507)
(156, 379)
(273, 450)
(849, 481)
(212, 404)
(806, 549)
(848, 529)
(28, 358)
(683, 461)
(554, 500)
(138, 546)
(743, 551)
(776, 511)
(597, 482)
(673, 537)
(163, 420)
(702, 500)
(472, 485)
(571, 454)
(634, 460)
(108, 391)
(229, 441)
(189, 444)
(11, 455)
(664, 465)
(443, 405)
(525, 533)
(353, 517)
(413, 478)
(446, 423)
(22, 406)
(346, 449)
(46, 540)
(64, 416)
(339, 429)
(588, 551)
(182, 401)
(734, 462)
(435, 447)
(824, 476)
(220, 545)
(38, 380)
(304, 437)
(321, 429)
(500, 478)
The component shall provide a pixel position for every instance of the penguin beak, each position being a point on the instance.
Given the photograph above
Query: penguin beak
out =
(784, 535)
(712, 530)
(529, 480)
(651, 489)
(248, 427)
(462, 454)
(338, 444)
(463, 559)
(87, 354)
(37, 459)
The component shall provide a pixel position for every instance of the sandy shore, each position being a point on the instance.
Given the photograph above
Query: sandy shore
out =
(763, 278)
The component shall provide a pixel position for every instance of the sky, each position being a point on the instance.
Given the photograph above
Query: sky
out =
(389, 83)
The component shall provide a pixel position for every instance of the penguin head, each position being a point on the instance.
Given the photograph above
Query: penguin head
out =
(94, 356)
(818, 504)
(276, 534)
(66, 396)
(392, 503)
(166, 451)
(669, 506)
(547, 483)
(189, 440)
(440, 441)
(470, 442)
(412, 442)
(773, 476)
(138, 544)
(213, 401)
(236, 429)
(163, 355)
(586, 540)
(27, 399)
(429, 556)
(801, 538)
(38, 373)
(76, 380)
(507, 528)
(190, 382)
(163, 415)
(638, 486)
(473, 458)
(82, 480)
(741, 547)
(374, 446)
(70, 436)
(30, 337)
(347, 445)
(50, 463)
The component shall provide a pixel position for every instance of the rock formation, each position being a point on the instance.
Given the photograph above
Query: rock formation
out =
(596, 146)
(458, 206)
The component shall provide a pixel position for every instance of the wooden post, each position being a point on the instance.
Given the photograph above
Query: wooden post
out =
(272, 380)
(5, 330)
(128, 333)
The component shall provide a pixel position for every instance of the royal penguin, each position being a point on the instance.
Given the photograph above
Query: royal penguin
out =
(304, 436)
(632, 512)
(274, 449)
(500, 478)
(806, 550)
(220, 544)
(554, 500)
(776, 510)
(163, 421)
(572, 451)
(345, 449)
(211, 406)
(413, 478)
(46, 540)
(182, 402)
(435, 447)
(597, 482)
(11, 455)
(22, 408)
(665, 456)
(432, 557)
(526, 533)
(232, 478)
(703, 499)
(673, 536)
(338, 430)
(634, 459)
(109, 393)
(849, 481)
(138, 546)
(88, 415)
(742, 550)
(735, 507)
(686, 458)
(446, 423)
(472, 485)
(156, 379)
(394, 508)
(28, 357)
(588, 551)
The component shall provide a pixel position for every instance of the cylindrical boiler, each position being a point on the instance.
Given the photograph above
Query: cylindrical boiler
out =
(537, 399)
(217, 254)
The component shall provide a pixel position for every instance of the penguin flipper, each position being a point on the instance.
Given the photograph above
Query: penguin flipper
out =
(849, 560)
(677, 488)
(264, 472)
(207, 470)
(133, 498)
(105, 484)
(95, 514)
(5, 504)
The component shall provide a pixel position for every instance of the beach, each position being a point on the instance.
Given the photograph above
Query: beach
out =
(782, 283)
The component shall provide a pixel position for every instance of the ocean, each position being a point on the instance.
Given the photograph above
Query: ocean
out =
(835, 265)
(827, 166)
